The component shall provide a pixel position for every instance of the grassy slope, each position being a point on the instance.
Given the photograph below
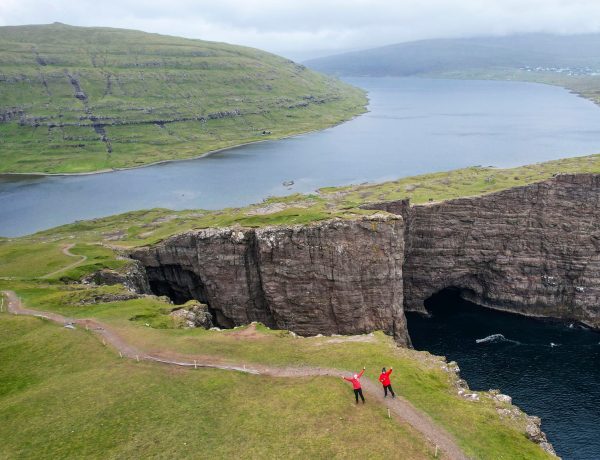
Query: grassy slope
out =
(476, 425)
(63, 395)
(140, 398)
(154, 98)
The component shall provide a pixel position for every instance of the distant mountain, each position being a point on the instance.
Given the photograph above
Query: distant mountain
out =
(75, 99)
(577, 53)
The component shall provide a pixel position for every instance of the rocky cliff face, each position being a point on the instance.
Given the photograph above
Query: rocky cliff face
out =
(533, 250)
(337, 276)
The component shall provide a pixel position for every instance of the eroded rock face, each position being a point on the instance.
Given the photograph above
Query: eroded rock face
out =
(532, 250)
(193, 314)
(133, 277)
(332, 277)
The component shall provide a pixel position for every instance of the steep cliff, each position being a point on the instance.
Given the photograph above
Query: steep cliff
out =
(336, 276)
(533, 250)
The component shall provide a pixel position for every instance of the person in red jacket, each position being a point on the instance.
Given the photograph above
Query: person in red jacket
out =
(384, 378)
(355, 380)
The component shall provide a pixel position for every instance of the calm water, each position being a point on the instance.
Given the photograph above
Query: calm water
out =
(414, 126)
(559, 383)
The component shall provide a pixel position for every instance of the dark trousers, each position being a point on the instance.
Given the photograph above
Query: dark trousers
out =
(359, 392)
(385, 390)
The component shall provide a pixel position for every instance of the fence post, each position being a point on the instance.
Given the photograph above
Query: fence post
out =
(195, 366)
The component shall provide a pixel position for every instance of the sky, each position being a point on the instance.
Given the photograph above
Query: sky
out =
(301, 29)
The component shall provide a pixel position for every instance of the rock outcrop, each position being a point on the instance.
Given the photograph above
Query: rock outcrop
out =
(331, 277)
(193, 314)
(132, 276)
(533, 250)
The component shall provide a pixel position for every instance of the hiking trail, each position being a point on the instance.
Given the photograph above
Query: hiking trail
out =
(399, 407)
(66, 250)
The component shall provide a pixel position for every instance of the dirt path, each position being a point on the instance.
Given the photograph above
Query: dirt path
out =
(399, 407)
(66, 250)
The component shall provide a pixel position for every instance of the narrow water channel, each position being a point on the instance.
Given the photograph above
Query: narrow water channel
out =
(550, 369)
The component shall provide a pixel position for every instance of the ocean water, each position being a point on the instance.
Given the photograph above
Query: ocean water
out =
(551, 369)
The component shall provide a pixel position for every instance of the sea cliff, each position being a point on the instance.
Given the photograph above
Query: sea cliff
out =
(532, 250)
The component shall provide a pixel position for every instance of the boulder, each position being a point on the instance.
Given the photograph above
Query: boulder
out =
(193, 314)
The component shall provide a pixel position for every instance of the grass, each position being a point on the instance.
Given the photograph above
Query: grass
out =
(24, 261)
(148, 98)
(63, 395)
(418, 377)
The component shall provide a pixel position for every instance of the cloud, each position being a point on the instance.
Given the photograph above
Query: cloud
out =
(297, 27)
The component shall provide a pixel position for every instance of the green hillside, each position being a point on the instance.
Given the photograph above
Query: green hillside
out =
(75, 99)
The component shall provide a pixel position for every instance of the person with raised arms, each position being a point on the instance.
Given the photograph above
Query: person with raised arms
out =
(355, 380)
(384, 378)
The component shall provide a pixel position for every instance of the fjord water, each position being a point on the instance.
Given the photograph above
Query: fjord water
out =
(550, 369)
(413, 126)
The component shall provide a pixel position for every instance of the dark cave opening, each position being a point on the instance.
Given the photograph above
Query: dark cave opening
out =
(181, 286)
(444, 299)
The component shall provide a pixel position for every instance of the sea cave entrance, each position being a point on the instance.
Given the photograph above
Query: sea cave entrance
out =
(549, 368)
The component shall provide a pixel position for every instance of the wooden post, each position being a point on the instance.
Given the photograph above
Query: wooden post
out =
(195, 366)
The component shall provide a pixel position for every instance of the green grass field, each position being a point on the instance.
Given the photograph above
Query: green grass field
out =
(76, 99)
(64, 395)
(95, 403)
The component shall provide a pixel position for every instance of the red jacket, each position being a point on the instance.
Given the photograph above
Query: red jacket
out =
(355, 381)
(384, 378)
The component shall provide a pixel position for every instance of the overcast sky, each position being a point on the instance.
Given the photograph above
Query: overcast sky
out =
(305, 28)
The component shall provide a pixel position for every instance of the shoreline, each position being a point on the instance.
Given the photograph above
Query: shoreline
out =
(289, 136)
(197, 157)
